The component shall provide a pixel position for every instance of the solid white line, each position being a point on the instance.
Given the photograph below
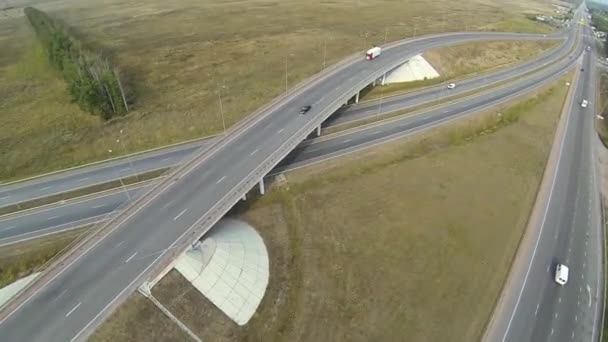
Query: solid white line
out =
(180, 214)
(131, 257)
(45, 188)
(7, 228)
(76, 307)
(542, 226)
(221, 179)
(52, 217)
(254, 152)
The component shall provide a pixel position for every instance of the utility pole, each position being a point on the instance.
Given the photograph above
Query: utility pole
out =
(385, 34)
(324, 50)
(219, 96)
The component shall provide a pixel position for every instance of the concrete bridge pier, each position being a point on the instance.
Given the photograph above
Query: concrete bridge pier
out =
(357, 97)
(262, 186)
(319, 130)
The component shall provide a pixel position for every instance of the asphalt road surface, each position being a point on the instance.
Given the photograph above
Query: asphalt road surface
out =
(166, 157)
(76, 297)
(94, 208)
(570, 233)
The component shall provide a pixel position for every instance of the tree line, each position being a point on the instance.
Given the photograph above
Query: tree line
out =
(92, 81)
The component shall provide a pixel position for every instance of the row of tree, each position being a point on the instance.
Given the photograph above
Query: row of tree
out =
(92, 82)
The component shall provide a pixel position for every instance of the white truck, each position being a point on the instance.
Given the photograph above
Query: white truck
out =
(373, 53)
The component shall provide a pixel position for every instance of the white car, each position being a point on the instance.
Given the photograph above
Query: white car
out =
(561, 274)
(451, 86)
(584, 104)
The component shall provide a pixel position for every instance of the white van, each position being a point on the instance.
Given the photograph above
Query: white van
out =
(561, 274)
(584, 104)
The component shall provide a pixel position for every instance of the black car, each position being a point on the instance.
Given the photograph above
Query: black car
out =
(305, 109)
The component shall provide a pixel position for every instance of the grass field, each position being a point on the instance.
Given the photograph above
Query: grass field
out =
(413, 238)
(602, 125)
(467, 59)
(180, 54)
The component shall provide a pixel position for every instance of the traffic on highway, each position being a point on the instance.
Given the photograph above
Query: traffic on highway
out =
(554, 290)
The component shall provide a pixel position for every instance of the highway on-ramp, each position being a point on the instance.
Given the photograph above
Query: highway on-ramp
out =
(66, 303)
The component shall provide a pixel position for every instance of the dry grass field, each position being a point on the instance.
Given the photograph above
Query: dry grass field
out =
(412, 238)
(178, 55)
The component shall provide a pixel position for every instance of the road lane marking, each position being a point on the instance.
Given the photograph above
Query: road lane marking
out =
(166, 159)
(7, 228)
(131, 257)
(76, 307)
(46, 188)
(312, 150)
(254, 152)
(120, 243)
(180, 214)
(281, 130)
(589, 293)
(548, 268)
(576, 318)
(559, 299)
(5, 197)
(83, 179)
(52, 217)
(167, 204)
(555, 315)
(573, 335)
(98, 206)
(377, 132)
(61, 294)
(125, 169)
(537, 306)
(221, 179)
(347, 140)
(551, 331)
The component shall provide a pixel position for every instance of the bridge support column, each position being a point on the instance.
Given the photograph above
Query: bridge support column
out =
(383, 78)
(319, 130)
(244, 197)
(374, 83)
(357, 97)
(262, 186)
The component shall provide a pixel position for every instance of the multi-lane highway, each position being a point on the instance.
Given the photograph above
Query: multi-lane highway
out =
(66, 303)
(568, 231)
(97, 173)
(71, 214)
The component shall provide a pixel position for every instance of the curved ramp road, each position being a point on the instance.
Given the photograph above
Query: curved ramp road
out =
(534, 307)
(66, 303)
(103, 172)
(20, 226)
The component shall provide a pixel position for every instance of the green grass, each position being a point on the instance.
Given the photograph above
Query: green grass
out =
(602, 125)
(22, 259)
(180, 53)
(413, 238)
(468, 59)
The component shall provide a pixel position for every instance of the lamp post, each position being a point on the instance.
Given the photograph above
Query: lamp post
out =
(219, 96)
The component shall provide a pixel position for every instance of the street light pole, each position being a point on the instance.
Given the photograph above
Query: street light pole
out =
(124, 187)
(219, 96)
(324, 50)
(385, 34)
(124, 149)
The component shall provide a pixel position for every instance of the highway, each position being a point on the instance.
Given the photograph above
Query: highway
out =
(568, 231)
(103, 172)
(68, 302)
(94, 208)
